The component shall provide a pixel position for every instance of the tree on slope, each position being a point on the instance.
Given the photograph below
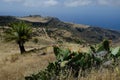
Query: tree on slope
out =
(20, 32)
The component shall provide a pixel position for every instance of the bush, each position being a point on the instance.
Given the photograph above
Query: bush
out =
(67, 60)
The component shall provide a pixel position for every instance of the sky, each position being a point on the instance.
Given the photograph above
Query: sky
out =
(102, 13)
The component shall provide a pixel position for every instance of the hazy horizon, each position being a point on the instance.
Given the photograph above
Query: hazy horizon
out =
(101, 13)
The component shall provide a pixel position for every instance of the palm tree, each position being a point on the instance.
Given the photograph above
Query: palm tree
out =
(20, 32)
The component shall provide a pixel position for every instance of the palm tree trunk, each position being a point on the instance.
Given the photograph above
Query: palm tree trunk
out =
(21, 46)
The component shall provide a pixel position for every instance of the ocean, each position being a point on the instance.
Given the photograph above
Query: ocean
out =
(96, 21)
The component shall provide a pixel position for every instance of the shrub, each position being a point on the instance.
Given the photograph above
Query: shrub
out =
(67, 60)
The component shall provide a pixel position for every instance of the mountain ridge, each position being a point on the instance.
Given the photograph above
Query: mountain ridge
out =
(76, 31)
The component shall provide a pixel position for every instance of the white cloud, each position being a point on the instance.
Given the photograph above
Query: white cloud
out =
(75, 3)
(12, 0)
(40, 3)
(68, 3)
(109, 2)
(50, 3)
(34, 3)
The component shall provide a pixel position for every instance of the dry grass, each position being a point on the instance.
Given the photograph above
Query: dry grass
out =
(101, 74)
(75, 47)
(25, 65)
(14, 66)
(34, 19)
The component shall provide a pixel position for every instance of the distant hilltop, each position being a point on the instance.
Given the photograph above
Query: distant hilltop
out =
(60, 29)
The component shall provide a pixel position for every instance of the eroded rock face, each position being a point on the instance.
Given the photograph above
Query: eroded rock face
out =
(101, 54)
(108, 63)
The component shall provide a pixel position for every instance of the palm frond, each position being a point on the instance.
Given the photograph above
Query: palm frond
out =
(19, 31)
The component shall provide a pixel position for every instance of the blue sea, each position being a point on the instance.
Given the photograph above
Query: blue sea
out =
(106, 17)
(112, 22)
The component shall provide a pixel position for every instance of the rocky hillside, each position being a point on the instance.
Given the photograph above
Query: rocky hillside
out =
(63, 31)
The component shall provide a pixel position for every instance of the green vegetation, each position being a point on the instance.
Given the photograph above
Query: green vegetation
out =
(19, 32)
(100, 56)
(87, 62)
